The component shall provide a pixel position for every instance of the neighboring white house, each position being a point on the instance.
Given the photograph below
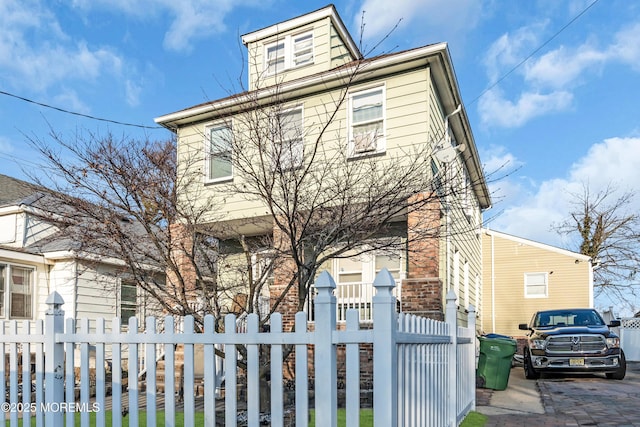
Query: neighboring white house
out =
(35, 260)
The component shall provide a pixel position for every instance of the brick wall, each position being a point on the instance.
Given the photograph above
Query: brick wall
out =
(282, 274)
(422, 291)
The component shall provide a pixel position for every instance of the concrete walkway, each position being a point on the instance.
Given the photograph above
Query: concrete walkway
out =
(520, 398)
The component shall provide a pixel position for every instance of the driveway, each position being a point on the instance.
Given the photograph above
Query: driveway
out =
(555, 400)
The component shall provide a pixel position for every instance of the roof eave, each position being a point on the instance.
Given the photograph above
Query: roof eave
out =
(325, 12)
(200, 112)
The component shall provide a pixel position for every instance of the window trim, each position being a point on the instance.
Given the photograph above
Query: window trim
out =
(544, 274)
(276, 156)
(289, 52)
(381, 140)
(209, 153)
(128, 304)
(7, 291)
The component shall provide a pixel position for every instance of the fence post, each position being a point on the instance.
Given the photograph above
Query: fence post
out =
(471, 324)
(452, 323)
(54, 361)
(325, 352)
(385, 355)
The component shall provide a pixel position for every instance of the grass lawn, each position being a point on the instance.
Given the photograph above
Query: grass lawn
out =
(474, 419)
(142, 419)
(366, 417)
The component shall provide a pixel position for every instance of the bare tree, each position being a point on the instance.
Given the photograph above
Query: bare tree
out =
(143, 202)
(324, 201)
(608, 231)
(117, 199)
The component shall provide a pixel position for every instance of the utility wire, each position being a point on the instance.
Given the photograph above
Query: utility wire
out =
(76, 113)
(504, 76)
(496, 83)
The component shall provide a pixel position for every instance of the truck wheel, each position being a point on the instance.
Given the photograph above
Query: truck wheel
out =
(529, 372)
(619, 373)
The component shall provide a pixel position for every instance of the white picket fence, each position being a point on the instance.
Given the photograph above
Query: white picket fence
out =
(423, 370)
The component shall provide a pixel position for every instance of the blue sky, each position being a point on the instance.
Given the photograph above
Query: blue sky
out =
(551, 87)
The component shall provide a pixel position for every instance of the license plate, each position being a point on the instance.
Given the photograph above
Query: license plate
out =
(576, 362)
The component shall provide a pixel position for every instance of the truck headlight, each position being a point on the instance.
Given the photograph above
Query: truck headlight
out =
(538, 344)
(613, 342)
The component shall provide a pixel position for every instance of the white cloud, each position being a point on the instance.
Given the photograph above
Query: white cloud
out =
(510, 49)
(5, 146)
(496, 109)
(548, 80)
(36, 54)
(191, 20)
(562, 67)
(626, 47)
(613, 161)
(70, 99)
(133, 91)
(444, 17)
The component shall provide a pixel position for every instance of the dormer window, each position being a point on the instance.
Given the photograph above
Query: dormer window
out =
(290, 52)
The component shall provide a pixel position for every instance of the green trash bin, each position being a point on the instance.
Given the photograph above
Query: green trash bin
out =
(494, 363)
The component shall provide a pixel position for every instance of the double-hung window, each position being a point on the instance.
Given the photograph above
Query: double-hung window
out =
(302, 50)
(289, 52)
(288, 139)
(535, 285)
(275, 57)
(16, 292)
(128, 301)
(219, 152)
(367, 121)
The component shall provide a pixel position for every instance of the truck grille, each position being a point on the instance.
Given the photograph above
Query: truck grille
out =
(576, 344)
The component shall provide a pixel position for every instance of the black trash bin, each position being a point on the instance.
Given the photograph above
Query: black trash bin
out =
(494, 363)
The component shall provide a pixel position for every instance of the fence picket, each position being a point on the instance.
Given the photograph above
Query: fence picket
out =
(432, 384)
(209, 372)
(353, 372)
(301, 370)
(277, 389)
(169, 373)
(132, 372)
(39, 372)
(151, 387)
(84, 372)
(231, 371)
(116, 377)
(253, 372)
(100, 409)
(13, 372)
(70, 374)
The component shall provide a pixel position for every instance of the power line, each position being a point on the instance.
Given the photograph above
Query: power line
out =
(76, 113)
(497, 82)
(504, 76)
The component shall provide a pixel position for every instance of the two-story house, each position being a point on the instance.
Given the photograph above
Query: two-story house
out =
(316, 110)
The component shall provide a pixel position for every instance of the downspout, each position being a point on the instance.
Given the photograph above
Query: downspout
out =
(591, 302)
(447, 246)
(493, 287)
(25, 227)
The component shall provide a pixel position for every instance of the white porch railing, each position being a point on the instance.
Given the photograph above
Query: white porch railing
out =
(351, 296)
(433, 382)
